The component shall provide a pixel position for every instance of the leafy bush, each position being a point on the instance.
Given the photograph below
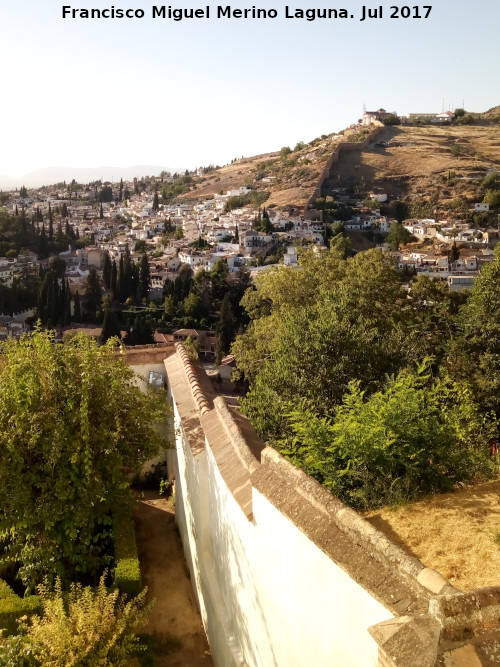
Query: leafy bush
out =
(392, 119)
(5, 590)
(88, 627)
(466, 119)
(492, 197)
(415, 436)
(71, 420)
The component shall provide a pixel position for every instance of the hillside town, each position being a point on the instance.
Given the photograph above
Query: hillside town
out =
(197, 233)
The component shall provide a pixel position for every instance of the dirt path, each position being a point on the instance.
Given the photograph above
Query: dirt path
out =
(175, 622)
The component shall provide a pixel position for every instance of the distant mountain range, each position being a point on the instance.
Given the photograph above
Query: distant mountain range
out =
(51, 175)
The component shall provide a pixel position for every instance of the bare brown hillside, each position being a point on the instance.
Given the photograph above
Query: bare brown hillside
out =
(416, 160)
(435, 163)
(289, 179)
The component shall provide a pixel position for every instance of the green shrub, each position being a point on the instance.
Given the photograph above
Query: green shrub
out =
(5, 590)
(127, 571)
(88, 627)
(13, 608)
(417, 436)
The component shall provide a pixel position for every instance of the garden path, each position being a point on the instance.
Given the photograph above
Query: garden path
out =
(175, 622)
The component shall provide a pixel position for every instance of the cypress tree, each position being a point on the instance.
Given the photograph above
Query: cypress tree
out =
(121, 280)
(43, 243)
(110, 326)
(93, 293)
(134, 280)
(156, 203)
(106, 270)
(144, 277)
(114, 280)
(224, 329)
(67, 304)
(51, 230)
(68, 230)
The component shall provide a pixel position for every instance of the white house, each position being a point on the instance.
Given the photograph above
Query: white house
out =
(290, 257)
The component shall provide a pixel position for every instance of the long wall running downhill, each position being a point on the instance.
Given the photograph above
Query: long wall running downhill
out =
(287, 575)
(346, 146)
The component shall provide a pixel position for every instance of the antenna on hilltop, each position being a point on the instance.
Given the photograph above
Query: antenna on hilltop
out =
(364, 108)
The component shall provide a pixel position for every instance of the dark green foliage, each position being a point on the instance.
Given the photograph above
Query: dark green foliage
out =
(77, 315)
(71, 420)
(178, 187)
(156, 203)
(105, 194)
(127, 575)
(224, 329)
(454, 253)
(256, 198)
(330, 354)
(392, 119)
(397, 444)
(492, 197)
(395, 209)
(466, 119)
(397, 236)
(141, 332)
(107, 270)
(93, 294)
(144, 277)
(110, 326)
(476, 354)
(53, 307)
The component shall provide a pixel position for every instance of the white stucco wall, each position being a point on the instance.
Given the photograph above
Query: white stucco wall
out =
(268, 595)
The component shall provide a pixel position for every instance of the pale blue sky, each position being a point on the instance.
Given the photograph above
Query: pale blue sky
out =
(125, 92)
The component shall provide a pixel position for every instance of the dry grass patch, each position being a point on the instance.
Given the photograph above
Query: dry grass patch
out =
(457, 534)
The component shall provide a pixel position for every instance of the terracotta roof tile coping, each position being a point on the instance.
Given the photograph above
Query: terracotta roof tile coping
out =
(192, 378)
(245, 455)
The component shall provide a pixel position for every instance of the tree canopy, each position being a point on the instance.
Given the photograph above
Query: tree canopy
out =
(332, 354)
(71, 420)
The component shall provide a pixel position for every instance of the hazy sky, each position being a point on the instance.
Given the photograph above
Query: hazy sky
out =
(124, 92)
